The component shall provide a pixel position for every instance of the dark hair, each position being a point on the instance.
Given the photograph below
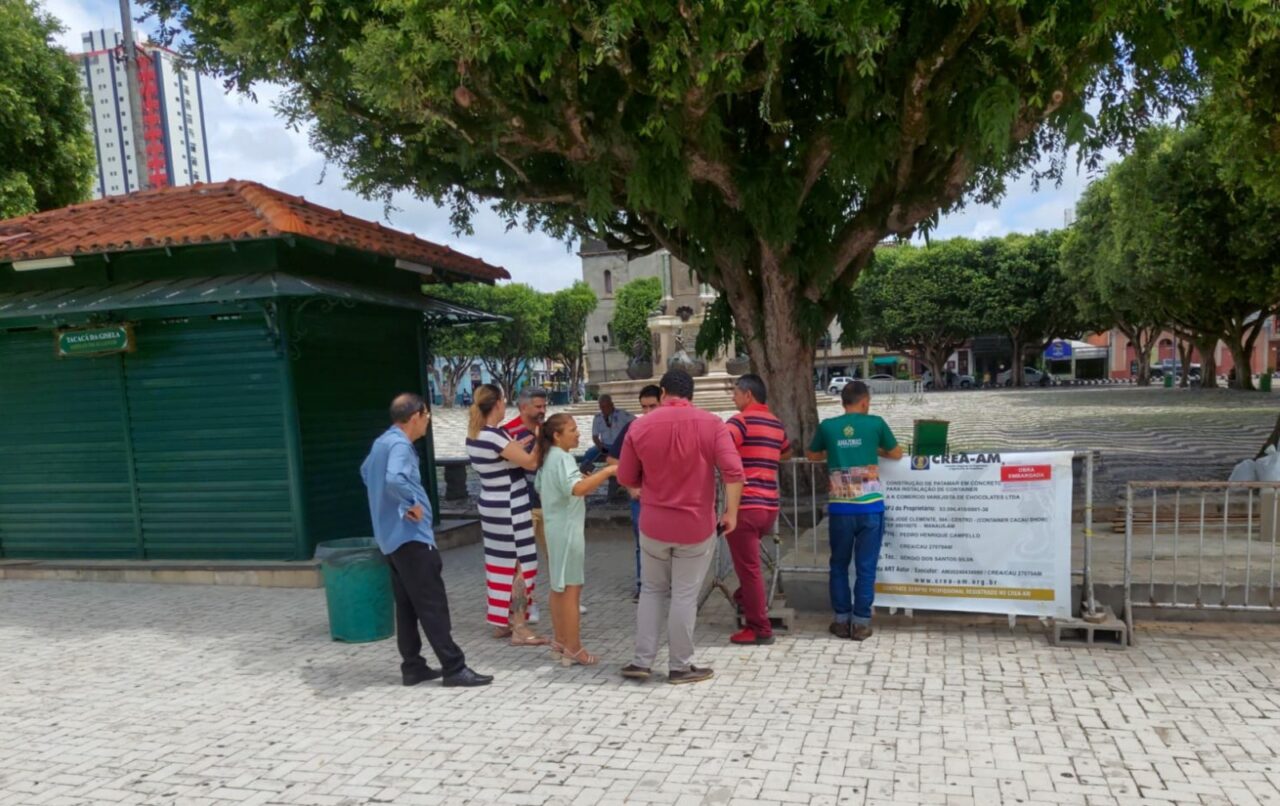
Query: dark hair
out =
(650, 391)
(530, 392)
(755, 385)
(606, 398)
(854, 392)
(486, 398)
(405, 405)
(547, 434)
(677, 383)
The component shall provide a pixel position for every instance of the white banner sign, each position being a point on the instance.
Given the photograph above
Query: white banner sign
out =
(981, 533)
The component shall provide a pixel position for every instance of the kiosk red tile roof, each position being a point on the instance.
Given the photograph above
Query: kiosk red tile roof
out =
(234, 210)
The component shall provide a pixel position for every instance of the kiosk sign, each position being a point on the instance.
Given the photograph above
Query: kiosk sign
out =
(981, 533)
(94, 341)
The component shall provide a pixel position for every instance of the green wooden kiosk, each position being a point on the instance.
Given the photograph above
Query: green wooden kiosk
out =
(197, 372)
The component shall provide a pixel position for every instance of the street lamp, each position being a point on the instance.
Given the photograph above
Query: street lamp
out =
(603, 341)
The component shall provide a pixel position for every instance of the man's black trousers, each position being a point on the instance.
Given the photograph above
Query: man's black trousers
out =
(421, 598)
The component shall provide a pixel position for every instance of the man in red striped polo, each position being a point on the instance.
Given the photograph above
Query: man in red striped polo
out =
(762, 443)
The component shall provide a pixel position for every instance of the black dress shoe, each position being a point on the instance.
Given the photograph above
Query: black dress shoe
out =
(840, 629)
(467, 677)
(415, 676)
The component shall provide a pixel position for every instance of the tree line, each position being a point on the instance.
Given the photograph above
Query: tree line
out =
(1169, 238)
(535, 325)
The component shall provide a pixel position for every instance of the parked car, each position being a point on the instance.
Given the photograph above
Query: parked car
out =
(882, 377)
(1031, 377)
(838, 383)
(951, 380)
(1158, 370)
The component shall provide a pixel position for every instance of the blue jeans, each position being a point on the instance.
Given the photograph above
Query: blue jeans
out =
(854, 539)
(590, 458)
(635, 530)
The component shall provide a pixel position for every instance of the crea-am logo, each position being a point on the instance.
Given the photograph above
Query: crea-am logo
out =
(955, 459)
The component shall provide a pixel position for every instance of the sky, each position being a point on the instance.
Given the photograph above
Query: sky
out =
(247, 140)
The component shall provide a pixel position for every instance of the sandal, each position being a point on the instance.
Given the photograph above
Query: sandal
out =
(580, 658)
(528, 639)
(557, 648)
(502, 632)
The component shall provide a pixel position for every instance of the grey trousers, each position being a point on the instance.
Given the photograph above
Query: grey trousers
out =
(670, 573)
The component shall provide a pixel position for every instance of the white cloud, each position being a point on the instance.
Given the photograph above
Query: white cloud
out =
(247, 140)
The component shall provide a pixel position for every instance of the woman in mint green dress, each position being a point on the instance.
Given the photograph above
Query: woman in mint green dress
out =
(562, 486)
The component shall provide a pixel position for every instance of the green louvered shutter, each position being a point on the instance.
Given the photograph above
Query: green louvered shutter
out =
(205, 399)
(65, 490)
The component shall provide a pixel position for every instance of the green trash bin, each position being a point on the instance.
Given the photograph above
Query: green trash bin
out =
(357, 590)
(1168, 380)
(930, 437)
(1264, 382)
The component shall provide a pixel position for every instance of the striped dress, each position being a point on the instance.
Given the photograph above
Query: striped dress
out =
(506, 522)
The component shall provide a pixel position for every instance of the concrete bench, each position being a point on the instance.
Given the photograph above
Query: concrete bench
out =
(455, 477)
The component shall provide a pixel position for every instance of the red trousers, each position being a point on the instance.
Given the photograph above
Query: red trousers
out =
(744, 547)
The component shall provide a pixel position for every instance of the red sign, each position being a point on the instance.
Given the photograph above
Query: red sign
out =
(1026, 473)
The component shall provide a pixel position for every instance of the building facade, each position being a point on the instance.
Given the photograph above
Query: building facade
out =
(1265, 356)
(172, 126)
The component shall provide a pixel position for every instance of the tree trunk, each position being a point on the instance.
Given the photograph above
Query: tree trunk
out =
(1244, 373)
(1208, 363)
(1240, 341)
(1184, 355)
(1016, 376)
(1142, 339)
(782, 357)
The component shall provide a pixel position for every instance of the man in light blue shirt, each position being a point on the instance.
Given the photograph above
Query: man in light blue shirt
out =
(401, 515)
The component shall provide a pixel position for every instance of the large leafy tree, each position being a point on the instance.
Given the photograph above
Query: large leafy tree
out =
(1110, 289)
(567, 329)
(457, 347)
(770, 145)
(507, 347)
(923, 300)
(631, 308)
(1215, 241)
(1028, 297)
(46, 148)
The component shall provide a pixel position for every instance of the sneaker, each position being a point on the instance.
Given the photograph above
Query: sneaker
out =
(693, 675)
(533, 615)
(861, 632)
(840, 629)
(635, 672)
(415, 676)
(748, 636)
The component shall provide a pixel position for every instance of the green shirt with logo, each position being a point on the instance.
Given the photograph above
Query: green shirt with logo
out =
(853, 443)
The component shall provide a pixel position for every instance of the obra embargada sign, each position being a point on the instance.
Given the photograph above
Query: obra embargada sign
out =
(978, 532)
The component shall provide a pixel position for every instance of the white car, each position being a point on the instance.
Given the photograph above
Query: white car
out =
(952, 380)
(838, 383)
(1030, 377)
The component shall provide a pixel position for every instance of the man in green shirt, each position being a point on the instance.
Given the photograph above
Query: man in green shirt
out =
(852, 445)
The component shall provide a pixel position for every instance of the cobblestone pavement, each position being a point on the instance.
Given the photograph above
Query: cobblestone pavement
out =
(115, 693)
(1152, 433)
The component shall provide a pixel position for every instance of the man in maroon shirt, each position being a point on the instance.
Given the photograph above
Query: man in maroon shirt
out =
(672, 455)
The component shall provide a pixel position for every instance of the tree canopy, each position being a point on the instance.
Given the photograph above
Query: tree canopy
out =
(1199, 244)
(632, 305)
(567, 329)
(922, 300)
(46, 148)
(768, 145)
(1027, 296)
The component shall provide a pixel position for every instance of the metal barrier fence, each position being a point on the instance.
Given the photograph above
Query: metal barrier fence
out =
(889, 391)
(1205, 545)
